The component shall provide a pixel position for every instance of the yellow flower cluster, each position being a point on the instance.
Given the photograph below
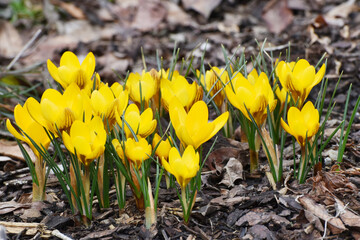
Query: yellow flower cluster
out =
(87, 113)
(88, 110)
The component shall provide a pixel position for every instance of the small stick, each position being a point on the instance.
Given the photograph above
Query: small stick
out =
(27, 45)
(58, 234)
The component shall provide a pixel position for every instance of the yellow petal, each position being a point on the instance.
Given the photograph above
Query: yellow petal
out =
(53, 70)
(88, 65)
(218, 123)
(68, 143)
(177, 114)
(69, 59)
(286, 127)
(196, 125)
(13, 131)
(98, 102)
(319, 75)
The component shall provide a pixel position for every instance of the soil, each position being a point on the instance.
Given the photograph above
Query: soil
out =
(230, 205)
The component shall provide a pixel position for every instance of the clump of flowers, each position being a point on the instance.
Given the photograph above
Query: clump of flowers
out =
(114, 133)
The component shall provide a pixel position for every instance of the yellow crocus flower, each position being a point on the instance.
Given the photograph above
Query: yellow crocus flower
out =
(281, 95)
(178, 88)
(107, 105)
(184, 167)
(302, 124)
(193, 128)
(144, 82)
(299, 78)
(142, 124)
(253, 93)
(87, 139)
(29, 126)
(215, 80)
(59, 111)
(135, 151)
(70, 70)
(163, 148)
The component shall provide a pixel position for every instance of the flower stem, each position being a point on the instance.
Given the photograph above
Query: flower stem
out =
(254, 153)
(302, 167)
(139, 197)
(73, 184)
(185, 205)
(39, 190)
(254, 160)
(150, 213)
(100, 178)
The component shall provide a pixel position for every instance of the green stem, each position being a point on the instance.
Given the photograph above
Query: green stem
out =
(150, 213)
(86, 204)
(185, 204)
(302, 167)
(39, 190)
(100, 178)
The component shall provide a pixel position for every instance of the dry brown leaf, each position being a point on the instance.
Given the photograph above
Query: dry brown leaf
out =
(149, 15)
(233, 172)
(12, 150)
(314, 220)
(10, 40)
(320, 211)
(223, 201)
(112, 63)
(70, 8)
(100, 234)
(337, 15)
(254, 218)
(7, 207)
(218, 156)
(177, 16)
(349, 218)
(204, 7)
(324, 41)
(277, 15)
(332, 183)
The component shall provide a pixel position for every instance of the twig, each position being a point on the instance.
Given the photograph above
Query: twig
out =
(336, 215)
(164, 234)
(27, 45)
(58, 234)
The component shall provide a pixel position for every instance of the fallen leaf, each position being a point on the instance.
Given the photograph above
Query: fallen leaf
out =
(7, 207)
(349, 218)
(177, 16)
(99, 234)
(337, 15)
(149, 15)
(70, 8)
(110, 64)
(320, 211)
(218, 156)
(31, 214)
(10, 39)
(277, 15)
(204, 7)
(314, 220)
(229, 201)
(261, 232)
(254, 218)
(12, 150)
(233, 172)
